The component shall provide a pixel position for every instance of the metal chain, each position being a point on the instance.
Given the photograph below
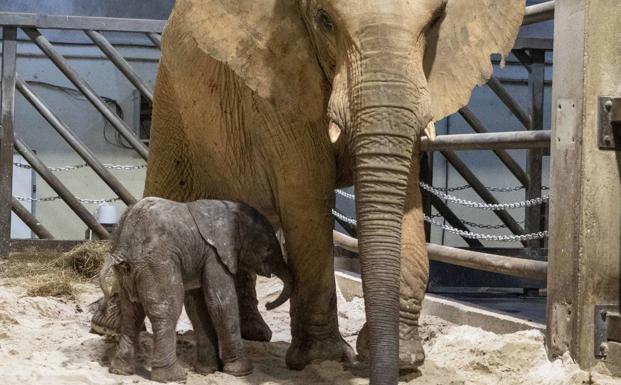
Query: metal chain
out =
(485, 206)
(488, 237)
(84, 165)
(55, 198)
(345, 194)
(462, 233)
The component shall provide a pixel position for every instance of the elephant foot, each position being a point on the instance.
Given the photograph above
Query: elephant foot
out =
(307, 349)
(107, 317)
(411, 352)
(205, 369)
(253, 327)
(238, 368)
(174, 373)
(122, 367)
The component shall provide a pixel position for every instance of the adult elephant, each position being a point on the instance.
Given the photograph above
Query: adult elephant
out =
(278, 102)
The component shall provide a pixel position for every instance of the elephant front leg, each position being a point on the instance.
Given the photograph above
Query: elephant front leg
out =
(314, 321)
(253, 327)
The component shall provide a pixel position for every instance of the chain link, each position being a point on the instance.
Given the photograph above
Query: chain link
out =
(488, 237)
(463, 233)
(485, 206)
(84, 165)
(55, 198)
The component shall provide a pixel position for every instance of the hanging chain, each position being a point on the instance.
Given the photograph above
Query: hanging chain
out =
(123, 167)
(55, 198)
(344, 218)
(488, 237)
(485, 206)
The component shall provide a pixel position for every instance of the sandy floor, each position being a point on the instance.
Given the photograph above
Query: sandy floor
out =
(47, 341)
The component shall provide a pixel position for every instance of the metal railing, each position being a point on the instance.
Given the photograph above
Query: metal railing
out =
(535, 140)
(31, 25)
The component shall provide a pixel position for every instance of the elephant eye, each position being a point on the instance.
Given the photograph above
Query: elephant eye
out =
(324, 21)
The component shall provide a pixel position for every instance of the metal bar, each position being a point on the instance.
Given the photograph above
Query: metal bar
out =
(504, 156)
(452, 218)
(482, 191)
(512, 104)
(30, 221)
(117, 59)
(7, 122)
(517, 267)
(534, 163)
(523, 58)
(538, 13)
(490, 141)
(87, 91)
(75, 143)
(61, 189)
(156, 39)
(35, 20)
(426, 175)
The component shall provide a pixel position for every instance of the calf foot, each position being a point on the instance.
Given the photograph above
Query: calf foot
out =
(238, 368)
(206, 366)
(122, 367)
(411, 352)
(304, 350)
(173, 373)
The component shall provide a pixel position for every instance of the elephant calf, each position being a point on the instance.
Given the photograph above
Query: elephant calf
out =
(163, 249)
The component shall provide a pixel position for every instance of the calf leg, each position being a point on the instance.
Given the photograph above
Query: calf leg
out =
(132, 317)
(253, 327)
(204, 333)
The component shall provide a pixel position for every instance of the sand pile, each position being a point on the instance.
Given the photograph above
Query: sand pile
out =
(47, 341)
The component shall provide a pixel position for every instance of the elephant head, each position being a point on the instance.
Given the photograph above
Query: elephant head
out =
(244, 239)
(374, 73)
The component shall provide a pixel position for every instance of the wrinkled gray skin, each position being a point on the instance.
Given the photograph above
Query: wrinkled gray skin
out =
(163, 249)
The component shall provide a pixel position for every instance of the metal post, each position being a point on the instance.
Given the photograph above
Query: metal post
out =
(30, 221)
(585, 208)
(7, 114)
(426, 175)
(120, 63)
(536, 84)
(75, 143)
(60, 62)
(61, 189)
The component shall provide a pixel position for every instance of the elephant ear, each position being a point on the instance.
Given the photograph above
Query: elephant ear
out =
(459, 46)
(266, 44)
(219, 226)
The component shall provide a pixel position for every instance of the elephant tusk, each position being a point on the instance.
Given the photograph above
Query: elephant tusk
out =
(334, 131)
(430, 131)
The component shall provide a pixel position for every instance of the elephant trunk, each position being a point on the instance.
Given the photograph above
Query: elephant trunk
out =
(388, 106)
(284, 274)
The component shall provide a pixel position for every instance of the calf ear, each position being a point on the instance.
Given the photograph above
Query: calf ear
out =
(219, 226)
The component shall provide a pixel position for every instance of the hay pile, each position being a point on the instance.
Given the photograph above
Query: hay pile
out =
(49, 274)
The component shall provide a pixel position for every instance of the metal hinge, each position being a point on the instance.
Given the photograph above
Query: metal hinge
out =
(607, 329)
(609, 130)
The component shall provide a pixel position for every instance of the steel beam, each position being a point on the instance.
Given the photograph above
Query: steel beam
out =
(7, 122)
(512, 104)
(69, 136)
(517, 267)
(538, 13)
(117, 59)
(503, 155)
(490, 141)
(37, 20)
(66, 195)
(30, 221)
(156, 39)
(48, 49)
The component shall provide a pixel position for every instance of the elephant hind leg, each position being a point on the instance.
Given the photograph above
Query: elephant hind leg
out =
(132, 318)
(206, 340)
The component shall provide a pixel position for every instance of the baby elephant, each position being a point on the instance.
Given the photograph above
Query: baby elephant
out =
(163, 249)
